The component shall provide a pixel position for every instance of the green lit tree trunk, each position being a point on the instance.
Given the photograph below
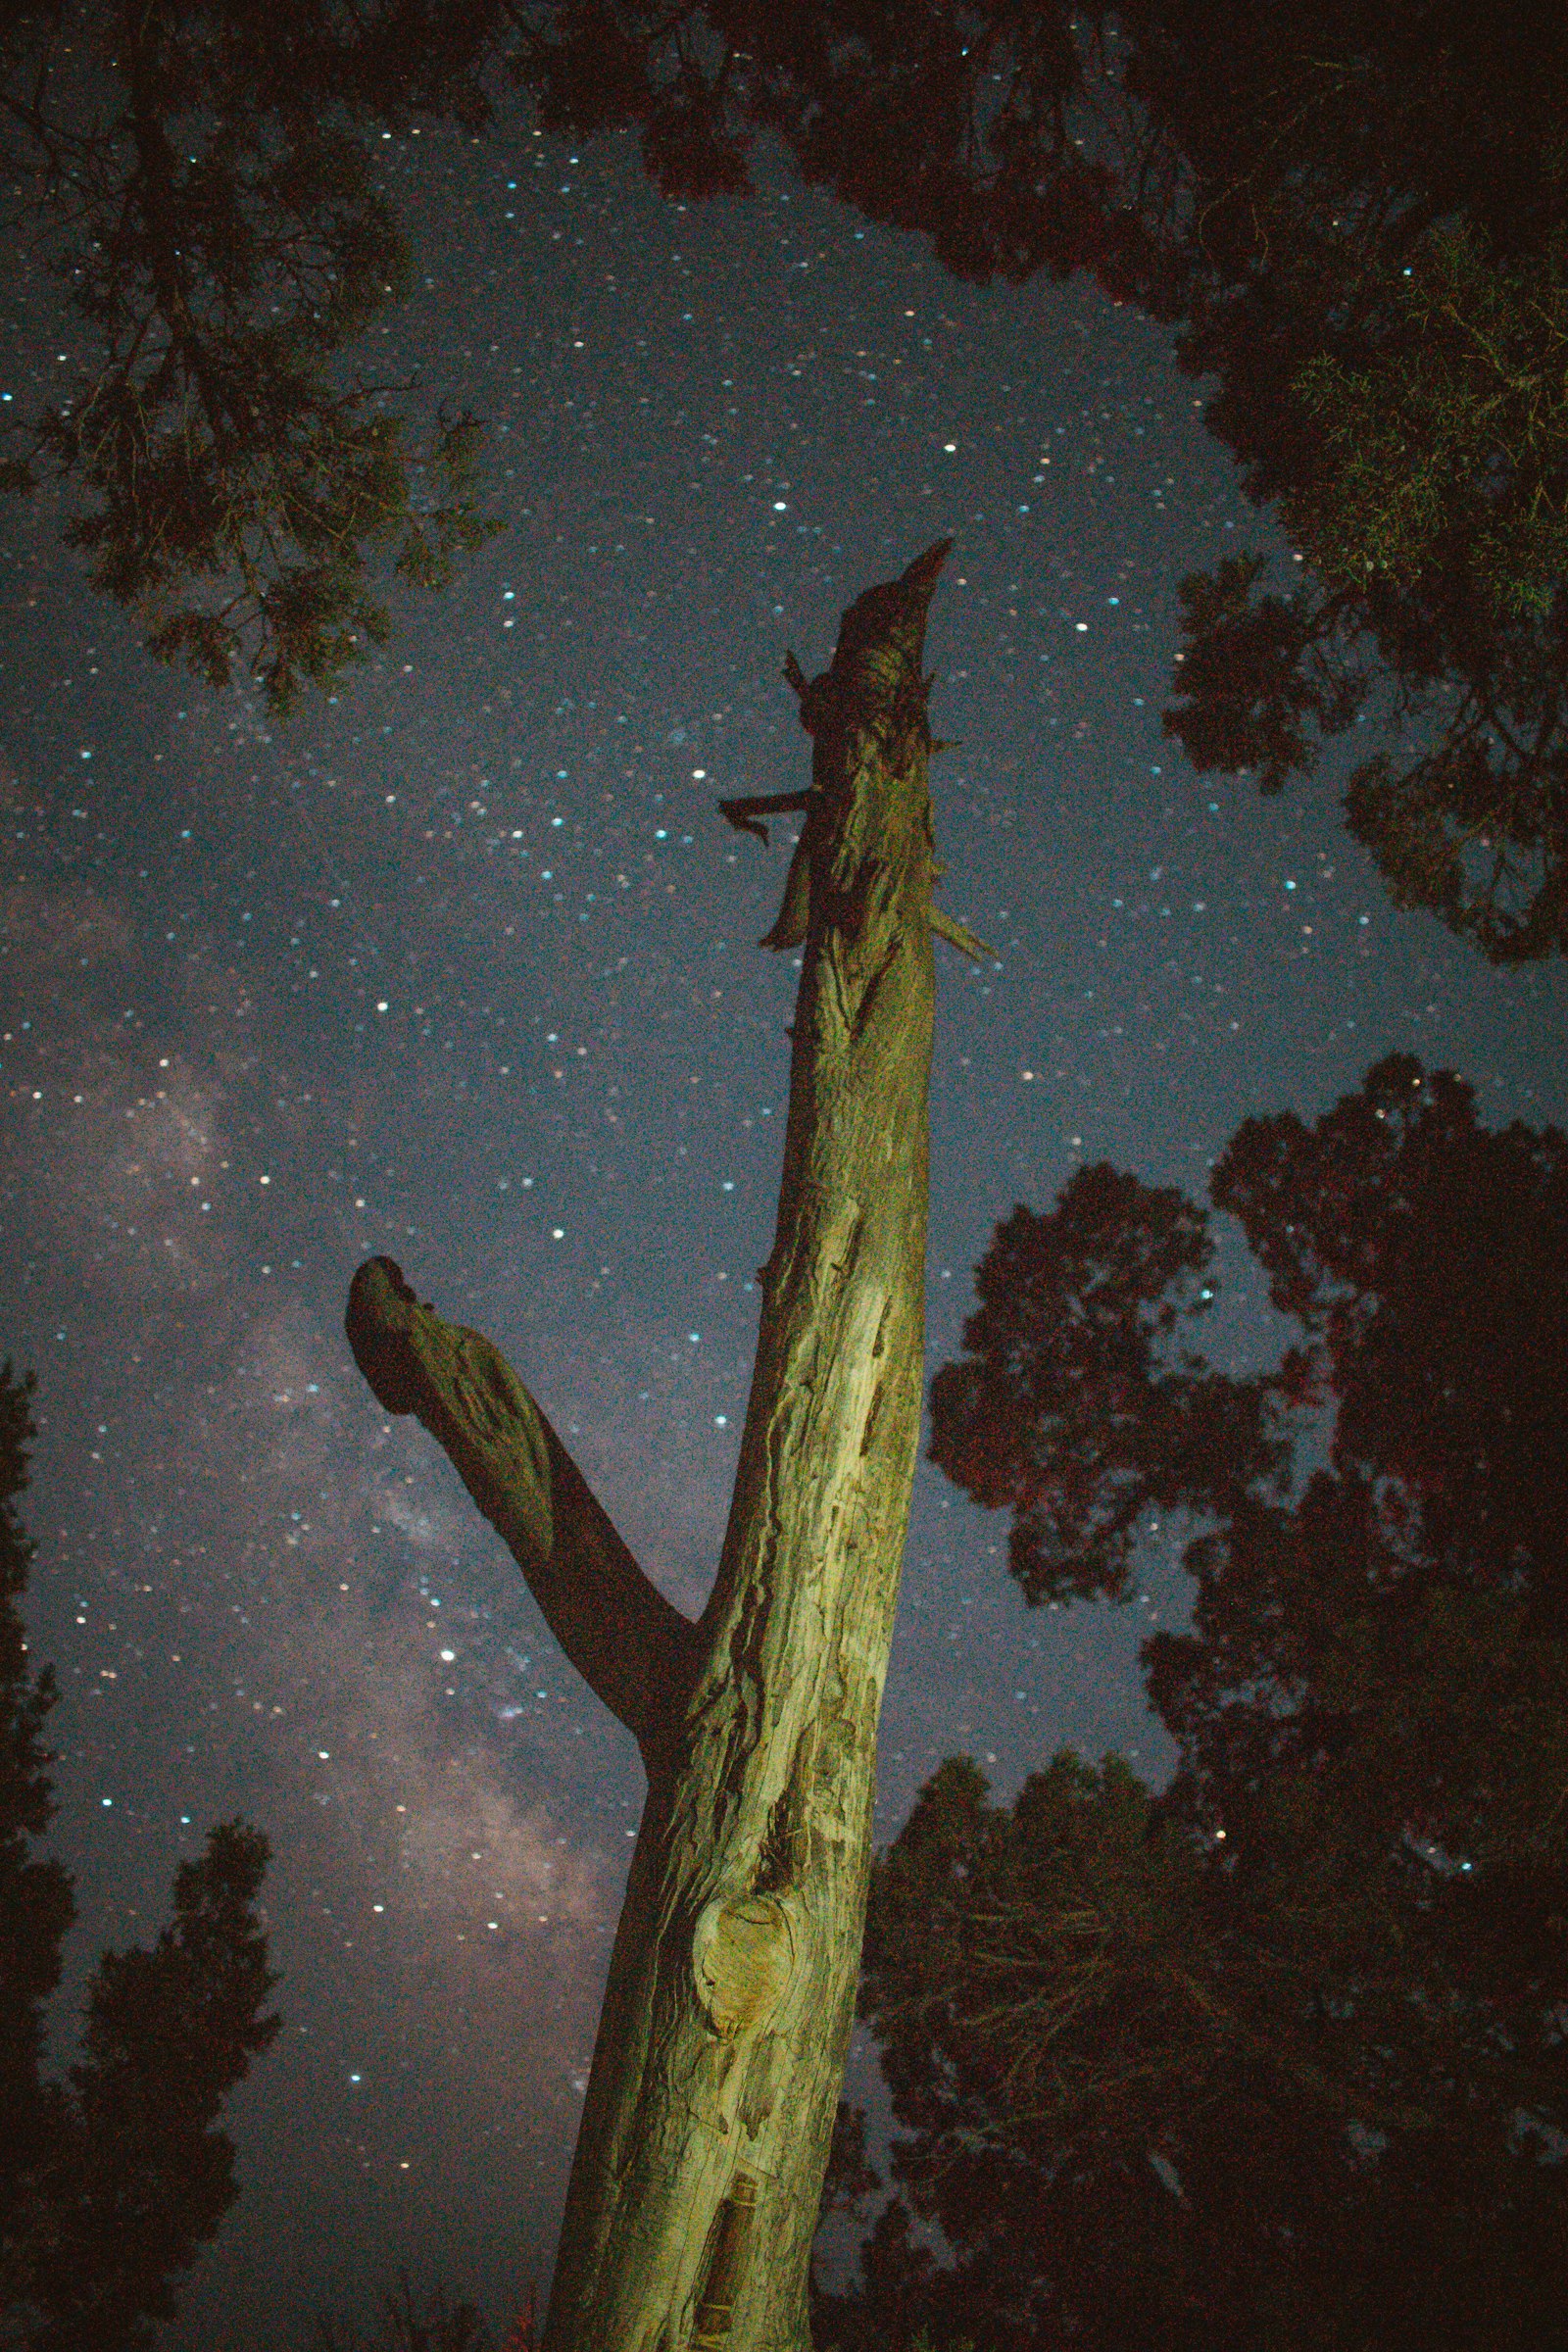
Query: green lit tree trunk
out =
(705, 2134)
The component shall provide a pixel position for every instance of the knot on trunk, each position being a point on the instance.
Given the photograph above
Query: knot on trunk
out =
(743, 1956)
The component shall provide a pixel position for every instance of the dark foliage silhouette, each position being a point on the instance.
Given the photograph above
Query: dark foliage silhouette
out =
(1274, 2056)
(1353, 216)
(198, 182)
(112, 2180)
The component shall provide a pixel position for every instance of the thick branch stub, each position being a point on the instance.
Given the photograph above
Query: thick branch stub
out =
(744, 813)
(959, 936)
(633, 1648)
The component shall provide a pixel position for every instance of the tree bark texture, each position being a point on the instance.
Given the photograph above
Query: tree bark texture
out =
(696, 2186)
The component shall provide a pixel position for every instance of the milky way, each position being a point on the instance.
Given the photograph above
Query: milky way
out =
(461, 966)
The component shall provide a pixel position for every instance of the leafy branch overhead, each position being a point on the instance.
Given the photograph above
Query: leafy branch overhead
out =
(1384, 305)
(1432, 504)
(201, 185)
(1352, 216)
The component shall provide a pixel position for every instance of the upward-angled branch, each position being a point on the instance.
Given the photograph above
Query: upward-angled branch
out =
(697, 2175)
(632, 1647)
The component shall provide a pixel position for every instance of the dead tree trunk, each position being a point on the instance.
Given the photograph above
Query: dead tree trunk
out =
(699, 2168)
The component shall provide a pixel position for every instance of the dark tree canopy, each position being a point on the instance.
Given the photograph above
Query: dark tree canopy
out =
(1275, 2056)
(1380, 296)
(197, 179)
(110, 2182)
(1065, 1407)
(1354, 214)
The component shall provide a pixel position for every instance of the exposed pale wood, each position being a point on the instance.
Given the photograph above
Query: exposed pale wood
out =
(697, 2175)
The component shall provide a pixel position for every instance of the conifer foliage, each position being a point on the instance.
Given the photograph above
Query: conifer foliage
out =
(112, 2180)
(1353, 215)
(1275, 2055)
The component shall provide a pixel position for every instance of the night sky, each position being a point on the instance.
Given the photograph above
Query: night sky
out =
(460, 967)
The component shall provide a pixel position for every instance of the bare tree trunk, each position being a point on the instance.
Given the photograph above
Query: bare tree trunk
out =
(705, 2136)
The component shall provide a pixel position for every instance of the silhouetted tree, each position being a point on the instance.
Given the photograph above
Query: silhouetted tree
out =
(1380, 250)
(447, 2325)
(1354, 214)
(197, 181)
(1070, 1407)
(1275, 2056)
(109, 2182)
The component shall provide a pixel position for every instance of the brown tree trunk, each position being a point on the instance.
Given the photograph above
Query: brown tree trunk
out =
(705, 2134)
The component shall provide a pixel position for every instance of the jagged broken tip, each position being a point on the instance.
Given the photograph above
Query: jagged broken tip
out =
(922, 572)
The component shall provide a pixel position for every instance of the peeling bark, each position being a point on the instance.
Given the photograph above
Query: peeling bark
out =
(698, 2176)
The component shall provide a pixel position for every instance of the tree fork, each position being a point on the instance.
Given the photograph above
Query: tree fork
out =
(697, 2175)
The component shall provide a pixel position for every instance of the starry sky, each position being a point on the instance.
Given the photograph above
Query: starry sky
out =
(461, 966)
